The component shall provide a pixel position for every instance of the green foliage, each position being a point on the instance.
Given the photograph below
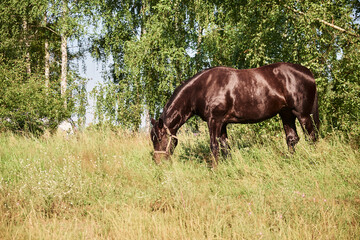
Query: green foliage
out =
(25, 104)
(343, 98)
(31, 101)
(150, 47)
(78, 98)
(155, 45)
(113, 107)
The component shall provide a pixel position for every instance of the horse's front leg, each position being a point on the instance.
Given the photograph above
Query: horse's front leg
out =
(215, 131)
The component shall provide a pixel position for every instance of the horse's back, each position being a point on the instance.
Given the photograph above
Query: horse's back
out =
(251, 95)
(299, 86)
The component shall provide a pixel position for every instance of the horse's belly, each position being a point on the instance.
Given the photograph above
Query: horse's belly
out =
(252, 111)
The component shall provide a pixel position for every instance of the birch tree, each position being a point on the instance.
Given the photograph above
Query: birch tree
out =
(64, 58)
(156, 45)
(30, 35)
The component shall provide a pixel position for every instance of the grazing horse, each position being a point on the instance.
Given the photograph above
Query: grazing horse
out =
(223, 95)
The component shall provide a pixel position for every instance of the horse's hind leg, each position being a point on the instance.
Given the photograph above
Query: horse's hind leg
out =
(292, 138)
(218, 140)
(224, 141)
(215, 136)
(307, 124)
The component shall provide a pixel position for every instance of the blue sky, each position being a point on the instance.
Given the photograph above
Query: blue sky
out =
(93, 72)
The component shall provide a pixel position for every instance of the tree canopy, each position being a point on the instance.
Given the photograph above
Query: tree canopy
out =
(151, 46)
(33, 62)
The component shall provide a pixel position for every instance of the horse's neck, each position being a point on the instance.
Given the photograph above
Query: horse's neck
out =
(176, 114)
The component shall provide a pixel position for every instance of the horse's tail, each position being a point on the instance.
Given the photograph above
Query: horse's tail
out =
(315, 116)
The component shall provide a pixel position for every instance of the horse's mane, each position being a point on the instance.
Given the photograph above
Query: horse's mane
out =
(182, 86)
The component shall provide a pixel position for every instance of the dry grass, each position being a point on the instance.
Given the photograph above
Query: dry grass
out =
(104, 185)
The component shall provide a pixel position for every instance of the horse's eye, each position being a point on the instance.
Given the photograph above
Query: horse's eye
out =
(154, 138)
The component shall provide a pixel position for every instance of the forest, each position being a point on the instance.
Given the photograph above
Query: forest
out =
(147, 48)
(102, 183)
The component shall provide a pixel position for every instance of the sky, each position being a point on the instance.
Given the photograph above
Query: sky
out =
(93, 72)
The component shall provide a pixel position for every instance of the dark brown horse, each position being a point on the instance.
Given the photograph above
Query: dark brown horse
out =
(224, 95)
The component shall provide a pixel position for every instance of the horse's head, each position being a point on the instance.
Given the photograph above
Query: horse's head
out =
(164, 142)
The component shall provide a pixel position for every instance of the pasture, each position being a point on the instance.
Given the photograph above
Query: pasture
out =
(103, 184)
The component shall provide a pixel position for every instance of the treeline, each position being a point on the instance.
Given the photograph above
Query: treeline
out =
(38, 86)
(149, 47)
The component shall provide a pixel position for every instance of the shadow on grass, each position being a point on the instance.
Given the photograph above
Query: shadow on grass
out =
(198, 150)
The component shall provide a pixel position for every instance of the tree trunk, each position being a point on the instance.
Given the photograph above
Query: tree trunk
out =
(147, 120)
(198, 50)
(47, 59)
(27, 46)
(64, 57)
(63, 65)
(325, 22)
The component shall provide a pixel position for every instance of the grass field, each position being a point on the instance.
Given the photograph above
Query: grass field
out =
(104, 185)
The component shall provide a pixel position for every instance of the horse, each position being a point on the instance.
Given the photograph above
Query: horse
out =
(224, 95)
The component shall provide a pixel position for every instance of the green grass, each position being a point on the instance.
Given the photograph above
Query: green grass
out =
(104, 185)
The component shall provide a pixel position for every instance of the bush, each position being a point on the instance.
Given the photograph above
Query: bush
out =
(26, 105)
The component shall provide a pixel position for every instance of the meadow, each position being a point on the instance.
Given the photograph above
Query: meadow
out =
(103, 184)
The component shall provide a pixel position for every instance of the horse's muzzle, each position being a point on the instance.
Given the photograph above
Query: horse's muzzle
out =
(159, 156)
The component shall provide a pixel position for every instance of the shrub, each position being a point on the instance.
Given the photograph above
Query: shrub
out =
(26, 105)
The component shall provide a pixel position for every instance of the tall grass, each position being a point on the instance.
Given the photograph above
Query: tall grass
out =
(104, 185)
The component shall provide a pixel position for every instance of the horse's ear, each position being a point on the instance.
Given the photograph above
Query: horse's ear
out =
(153, 122)
(161, 123)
